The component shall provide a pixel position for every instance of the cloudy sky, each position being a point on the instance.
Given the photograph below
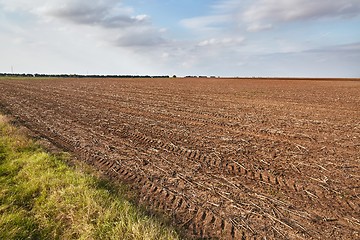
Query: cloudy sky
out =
(311, 38)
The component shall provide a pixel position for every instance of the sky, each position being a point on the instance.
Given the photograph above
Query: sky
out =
(245, 38)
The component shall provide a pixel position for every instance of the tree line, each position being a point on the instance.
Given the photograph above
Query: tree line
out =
(77, 75)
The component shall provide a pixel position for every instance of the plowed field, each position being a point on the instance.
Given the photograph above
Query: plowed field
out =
(224, 158)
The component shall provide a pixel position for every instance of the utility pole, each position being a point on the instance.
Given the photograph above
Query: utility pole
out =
(12, 70)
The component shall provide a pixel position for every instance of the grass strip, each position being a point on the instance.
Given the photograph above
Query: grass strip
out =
(41, 197)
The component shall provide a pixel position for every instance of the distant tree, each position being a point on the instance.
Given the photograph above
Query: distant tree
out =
(174, 76)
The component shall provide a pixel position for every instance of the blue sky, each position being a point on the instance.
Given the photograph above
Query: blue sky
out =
(301, 38)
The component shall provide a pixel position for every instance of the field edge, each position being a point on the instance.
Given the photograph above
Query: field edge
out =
(42, 197)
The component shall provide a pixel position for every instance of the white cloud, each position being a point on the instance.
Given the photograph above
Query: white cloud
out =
(352, 47)
(140, 37)
(204, 22)
(259, 27)
(107, 14)
(259, 15)
(98, 37)
(291, 10)
(111, 20)
(222, 42)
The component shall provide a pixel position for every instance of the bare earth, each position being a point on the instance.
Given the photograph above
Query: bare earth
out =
(224, 158)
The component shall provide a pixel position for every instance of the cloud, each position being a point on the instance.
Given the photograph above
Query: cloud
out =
(290, 10)
(261, 14)
(222, 42)
(204, 22)
(111, 20)
(107, 14)
(259, 27)
(141, 37)
(344, 48)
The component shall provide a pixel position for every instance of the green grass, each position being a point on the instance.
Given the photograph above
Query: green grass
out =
(41, 197)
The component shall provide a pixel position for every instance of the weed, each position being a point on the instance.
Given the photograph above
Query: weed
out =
(41, 197)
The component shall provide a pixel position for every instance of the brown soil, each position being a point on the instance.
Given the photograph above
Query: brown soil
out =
(224, 158)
